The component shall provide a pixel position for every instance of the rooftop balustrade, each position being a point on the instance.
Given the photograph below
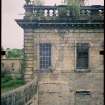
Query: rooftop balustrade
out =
(95, 12)
(62, 16)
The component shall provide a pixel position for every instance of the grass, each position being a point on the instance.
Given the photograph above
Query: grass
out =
(8, 83)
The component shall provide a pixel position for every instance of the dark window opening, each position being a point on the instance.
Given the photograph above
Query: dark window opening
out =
(82, 98)
(82, 55)
(83, 92)
(3, 53)
(101, 52)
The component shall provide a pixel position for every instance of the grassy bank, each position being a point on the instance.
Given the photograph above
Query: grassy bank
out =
(8, 83)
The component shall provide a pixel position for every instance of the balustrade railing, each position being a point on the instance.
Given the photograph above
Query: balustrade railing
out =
(86, 12)
(21, 95)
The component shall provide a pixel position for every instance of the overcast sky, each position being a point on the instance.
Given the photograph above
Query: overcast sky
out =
(12, 34)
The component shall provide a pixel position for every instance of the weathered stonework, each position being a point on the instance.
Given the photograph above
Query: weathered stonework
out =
(12, 66)
(59, 85)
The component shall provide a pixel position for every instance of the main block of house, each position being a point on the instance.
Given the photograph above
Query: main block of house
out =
(62, 45)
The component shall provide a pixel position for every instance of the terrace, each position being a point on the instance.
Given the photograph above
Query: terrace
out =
(62, 16)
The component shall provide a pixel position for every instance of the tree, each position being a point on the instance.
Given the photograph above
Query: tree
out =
(75, 5)
(38, 2)
(27, 1)
(14, 53)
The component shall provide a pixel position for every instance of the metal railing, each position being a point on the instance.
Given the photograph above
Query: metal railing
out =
(21, 95)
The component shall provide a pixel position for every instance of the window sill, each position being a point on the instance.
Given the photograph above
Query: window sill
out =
(45, 71)
(82, 70)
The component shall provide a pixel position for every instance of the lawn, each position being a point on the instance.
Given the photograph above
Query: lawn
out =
(8, 83)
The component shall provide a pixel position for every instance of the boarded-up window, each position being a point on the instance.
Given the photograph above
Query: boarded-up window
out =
(45, 56)
(82, 56)
(83, 98)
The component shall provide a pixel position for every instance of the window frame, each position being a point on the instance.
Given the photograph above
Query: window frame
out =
(82, 69)
(42, 69)
(83, 92)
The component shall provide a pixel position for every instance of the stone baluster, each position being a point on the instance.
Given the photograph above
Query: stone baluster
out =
(56, 13)
(35, 12)
(50, 12)
(68, 12)
(45, 12)
(100, 12)
(88, 12)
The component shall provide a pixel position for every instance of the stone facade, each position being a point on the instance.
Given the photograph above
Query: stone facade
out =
(12, 66)
(59, 86)
(62, 83)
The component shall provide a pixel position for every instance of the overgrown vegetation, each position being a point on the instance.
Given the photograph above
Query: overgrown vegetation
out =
(36, 2)
(75, 5)
(11, 81)
(8, 83)
(14, 53)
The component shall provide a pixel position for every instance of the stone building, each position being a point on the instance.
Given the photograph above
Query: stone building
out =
(12, 66)
(63, 51)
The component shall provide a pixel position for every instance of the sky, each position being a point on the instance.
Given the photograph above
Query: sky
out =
(12, 34)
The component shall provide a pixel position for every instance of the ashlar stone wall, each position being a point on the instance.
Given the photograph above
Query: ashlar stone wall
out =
(59, 86)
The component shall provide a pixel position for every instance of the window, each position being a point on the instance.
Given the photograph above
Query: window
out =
(12, 66)
(102, 52)
(82, 98)
(45, 55)
(82, 56)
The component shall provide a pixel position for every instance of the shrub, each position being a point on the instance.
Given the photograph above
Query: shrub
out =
(13, 83)
(6, 78)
